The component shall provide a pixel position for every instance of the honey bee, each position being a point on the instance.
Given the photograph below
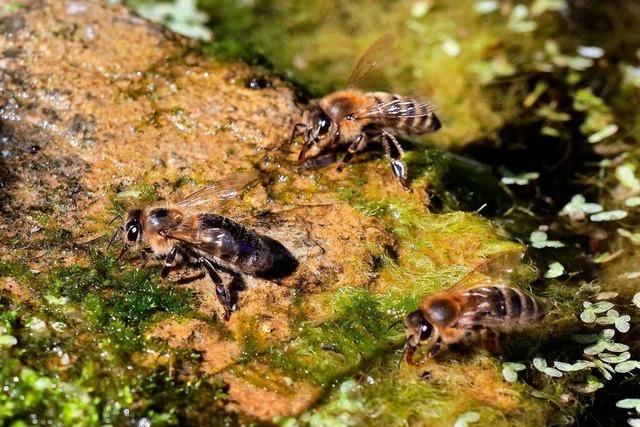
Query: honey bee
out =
(466, 316)
(354, 118)
(182, 234)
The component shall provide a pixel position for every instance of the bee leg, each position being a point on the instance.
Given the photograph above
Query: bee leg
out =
(221, 291)
(491, 341)
(296, 131)
(409, 353)
(432, 352)
(397, 165)
(169, 262)
(358, 144)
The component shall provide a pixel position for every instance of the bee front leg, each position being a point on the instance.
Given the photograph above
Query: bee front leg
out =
(432, 352)
(358, 144)
(221, 291)
(169, 262)
(397, 165)
(296, 131)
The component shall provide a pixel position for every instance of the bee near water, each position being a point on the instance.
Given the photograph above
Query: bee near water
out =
(469, 313)
(183, 234)
(355, 118)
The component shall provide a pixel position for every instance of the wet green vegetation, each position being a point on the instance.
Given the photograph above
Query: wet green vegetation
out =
(530, 121)
(70, 345)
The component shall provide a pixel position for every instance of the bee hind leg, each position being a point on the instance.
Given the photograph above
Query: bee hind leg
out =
(358, 144)
(491, 341)
(221, 291)
(398, 167)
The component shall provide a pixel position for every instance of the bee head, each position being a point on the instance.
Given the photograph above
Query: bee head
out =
(418, 330)
(321, 131)
(133, 227)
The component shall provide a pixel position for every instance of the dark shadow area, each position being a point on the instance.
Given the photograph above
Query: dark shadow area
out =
(284, 263)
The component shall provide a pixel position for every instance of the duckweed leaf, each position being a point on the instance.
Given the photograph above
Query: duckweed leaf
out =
(578, 366)
(592, 385)
(555, 270)
(632, 202)
(540, 6)
(553, 372)
(509, 374)
(510, 371)
(626, 174)
(604, 369)
(8, 341)
(588, 316)
(611, 358)
(634, 237)
(605, 132)
(593, 52)
(627, 366)
(420, 9)
(539, 240)
(598, 307)
(608, 216)
(182, 16)
(520, 179)
(518, 21)
(486, 6)
(616, 347)
(629, 404)
(540, 364)
(636, 300)
(634, 422)
(578, 208)
(451, 47)
(467, 418)
(622, 324)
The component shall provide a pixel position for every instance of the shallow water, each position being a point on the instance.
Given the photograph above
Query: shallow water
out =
(521, 89)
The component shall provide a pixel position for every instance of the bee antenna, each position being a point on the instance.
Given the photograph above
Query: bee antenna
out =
(112, 239)
(118, 216)
(122, 252)
(394, 324)
(404, 352)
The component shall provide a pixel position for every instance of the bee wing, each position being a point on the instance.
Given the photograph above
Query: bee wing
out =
(495, 270)
(397, 109)
(214, 241)
(374, 59)
(225, 188)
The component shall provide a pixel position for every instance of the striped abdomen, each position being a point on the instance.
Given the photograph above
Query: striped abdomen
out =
(500, 307)
(232, 243)
(411, 116)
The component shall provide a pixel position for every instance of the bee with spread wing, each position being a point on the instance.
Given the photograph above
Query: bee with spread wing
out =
(472, 311)
(184, 234)
(354, 118)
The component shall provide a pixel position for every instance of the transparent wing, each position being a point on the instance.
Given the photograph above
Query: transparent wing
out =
(225, 188)
(495, 270)
(373, 60)
(214, 241)
(397, 109)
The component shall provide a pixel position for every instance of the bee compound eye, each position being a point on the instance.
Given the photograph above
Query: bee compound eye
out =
(323, 124)
(425, 332)
(132, 233)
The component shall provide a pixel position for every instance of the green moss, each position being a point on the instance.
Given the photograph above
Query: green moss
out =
(74, 357)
